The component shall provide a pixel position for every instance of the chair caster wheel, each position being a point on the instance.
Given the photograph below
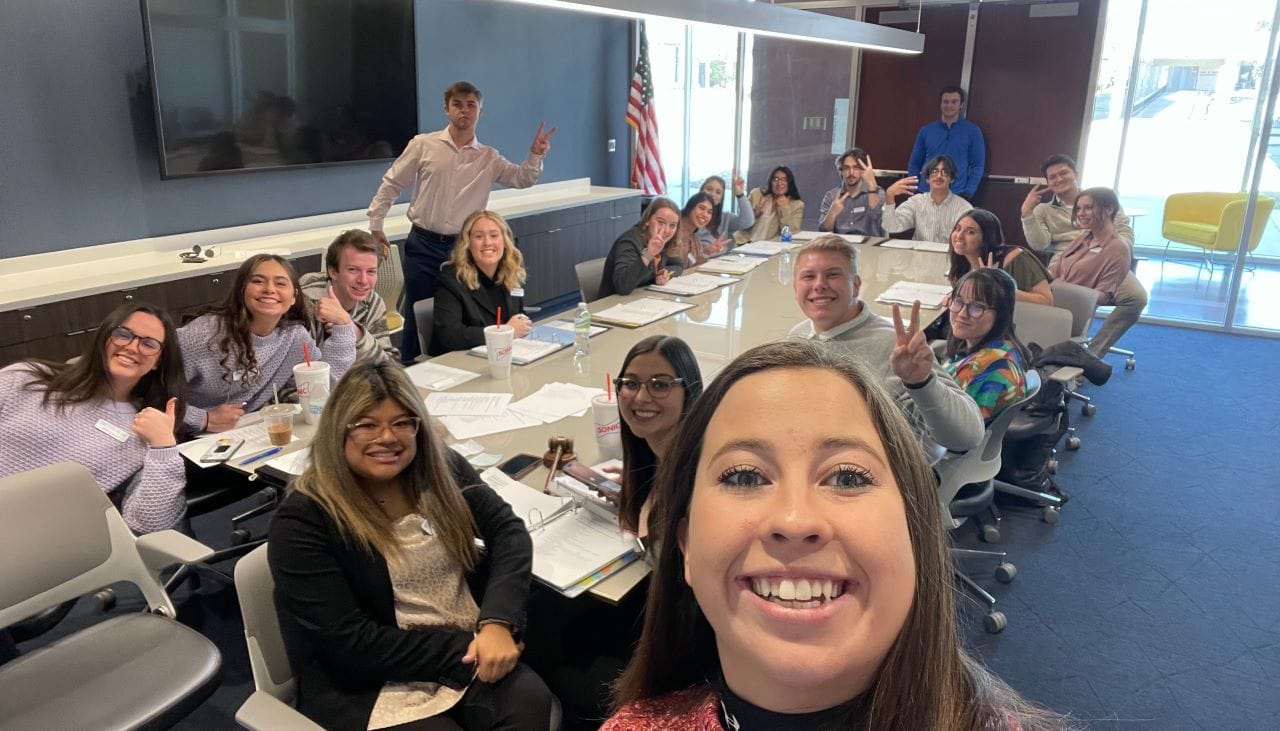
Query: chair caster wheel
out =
(240, 536)
(994, 622)
(1073, 443)
(1005, 572)
(106, 600)
(1051, 515)
(1130, 364)
(1053, 466)
(1088, 409)
(990, 534)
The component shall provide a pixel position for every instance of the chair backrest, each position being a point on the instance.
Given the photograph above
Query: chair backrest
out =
(424, 314)
(267, 657)
(1043, 325)
(1081, 302)
(390, 285)
(982, 463)
(590, 274)
(1232, 225)
(1198, 207)
(61, 538)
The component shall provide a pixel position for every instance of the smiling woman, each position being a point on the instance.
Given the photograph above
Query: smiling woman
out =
(802, 578)
(484, 278)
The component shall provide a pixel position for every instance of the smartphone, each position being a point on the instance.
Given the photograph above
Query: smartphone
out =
(520, 465)
(222, 450)
(608, 489)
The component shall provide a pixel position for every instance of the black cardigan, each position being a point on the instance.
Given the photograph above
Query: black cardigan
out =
(337, 613)
(625, 270)
(462, 314)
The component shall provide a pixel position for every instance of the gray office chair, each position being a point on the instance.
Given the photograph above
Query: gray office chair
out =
(424, 314)
(1082, 303)
(62, 538)
(1046, 325)
(391, 287)
(590, 275)
(976, 470)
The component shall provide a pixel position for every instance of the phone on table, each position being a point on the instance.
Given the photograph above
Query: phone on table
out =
(608, 489)
(520, 465)
(222, 450)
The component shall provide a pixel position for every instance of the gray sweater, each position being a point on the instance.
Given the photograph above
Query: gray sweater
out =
(940, 412)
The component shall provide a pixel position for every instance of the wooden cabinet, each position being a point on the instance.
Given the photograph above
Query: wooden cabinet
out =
(553, 242)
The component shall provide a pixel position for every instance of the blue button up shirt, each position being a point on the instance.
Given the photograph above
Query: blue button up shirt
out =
(961, 141)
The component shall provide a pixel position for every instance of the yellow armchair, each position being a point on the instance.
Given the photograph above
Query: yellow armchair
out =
(1213, 221)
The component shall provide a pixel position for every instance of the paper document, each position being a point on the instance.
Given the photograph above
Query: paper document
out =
(556, 401)
(641, 312)
(254, 436)
(470, 427)
(903, 292)
(469, 448)
(437, 377)
(916, 245)
(731, 264)
(573, 547)
(806, 235)
(293, 463)
(567, 325)
(467, 404)
(534, 507)
(760, 248)
(695, 283)
(525, 351)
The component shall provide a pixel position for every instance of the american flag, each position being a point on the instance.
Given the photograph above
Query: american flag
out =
(646, 170)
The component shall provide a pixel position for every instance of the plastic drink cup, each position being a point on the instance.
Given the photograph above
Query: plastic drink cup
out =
(608, 427)
(313, 388)
(497, 343)
(279, 421)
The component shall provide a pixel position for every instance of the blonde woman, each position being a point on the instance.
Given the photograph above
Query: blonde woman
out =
(393, 616)
(484, 273)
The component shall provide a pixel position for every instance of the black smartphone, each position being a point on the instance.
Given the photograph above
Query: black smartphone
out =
(520, 465)
(608, 489)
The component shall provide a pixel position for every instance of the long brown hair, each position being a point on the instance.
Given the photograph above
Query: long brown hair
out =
(87, 378)
(236, 339)
(427, 482)
(926, 681)
(510, 273)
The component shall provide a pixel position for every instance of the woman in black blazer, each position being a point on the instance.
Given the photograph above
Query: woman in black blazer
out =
(485, 272)
(393, 615)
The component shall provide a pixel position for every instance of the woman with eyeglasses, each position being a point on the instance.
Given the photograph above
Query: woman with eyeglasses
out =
(983, 355)
(774, 205)
(401, 578)
(115, 410)
(240, 354)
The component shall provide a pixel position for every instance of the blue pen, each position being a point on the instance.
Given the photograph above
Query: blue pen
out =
(261, 455)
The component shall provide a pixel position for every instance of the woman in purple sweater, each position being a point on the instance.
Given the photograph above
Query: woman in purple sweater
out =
(240, 354)
(112, 410)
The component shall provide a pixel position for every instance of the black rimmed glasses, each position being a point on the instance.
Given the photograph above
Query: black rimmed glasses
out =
(659, 386)
(367, 430)
(122, 336)
(975, 309)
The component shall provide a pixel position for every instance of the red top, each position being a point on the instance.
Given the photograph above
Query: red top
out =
(660, 714)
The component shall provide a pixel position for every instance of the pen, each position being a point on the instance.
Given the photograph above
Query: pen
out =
(261, 455)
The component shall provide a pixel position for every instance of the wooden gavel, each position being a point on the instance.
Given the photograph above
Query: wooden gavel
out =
(559, 451)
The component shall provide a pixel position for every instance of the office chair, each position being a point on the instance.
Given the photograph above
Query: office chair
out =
(1081, 302)
(424, 314)
(966, 488)
(63, 538)
(1043, 326)
(590, 274)
(1212, 222)
(391, 287)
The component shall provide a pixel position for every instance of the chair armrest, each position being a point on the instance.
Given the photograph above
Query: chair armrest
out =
(165, 548)
(1066, 374)
(264, 712)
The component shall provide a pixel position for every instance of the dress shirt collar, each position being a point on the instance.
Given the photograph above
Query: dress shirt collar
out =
(842, 328)
(448, 138)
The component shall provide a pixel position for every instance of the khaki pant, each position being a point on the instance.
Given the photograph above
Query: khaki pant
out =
(1129, 300)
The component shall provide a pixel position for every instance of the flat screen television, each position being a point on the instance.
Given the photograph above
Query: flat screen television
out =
(265, 84)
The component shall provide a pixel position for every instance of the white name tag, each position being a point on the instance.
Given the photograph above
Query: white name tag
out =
(237, 375)
(1096, 250)
(517, 292)
(859, 209)
(111, 430)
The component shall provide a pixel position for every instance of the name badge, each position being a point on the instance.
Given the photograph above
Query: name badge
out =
(111, 430)
(237, 375)
(427, 529)
(517, 292)
(1096, 250)
(859, 209)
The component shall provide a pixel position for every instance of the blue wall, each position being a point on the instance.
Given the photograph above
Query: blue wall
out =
(78, 159)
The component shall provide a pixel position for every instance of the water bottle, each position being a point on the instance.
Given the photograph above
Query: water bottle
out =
(582, 330)
(786, 234)
(785, 268)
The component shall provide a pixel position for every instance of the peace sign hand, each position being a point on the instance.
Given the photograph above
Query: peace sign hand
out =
(990, 262)
(869, 174)
(912, 358)
(837, 205)
(1033, 199)
(542, 140)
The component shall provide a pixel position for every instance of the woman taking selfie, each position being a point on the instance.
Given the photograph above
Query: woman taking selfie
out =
(803, 579)
(392, 613)
(239, 355)
(113, 410)
(485, 275)
(983, 356)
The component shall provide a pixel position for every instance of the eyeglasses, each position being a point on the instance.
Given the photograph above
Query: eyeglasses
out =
(122, 336)
(778, 179)
(659, 386)
(364, 432)
(975, 309)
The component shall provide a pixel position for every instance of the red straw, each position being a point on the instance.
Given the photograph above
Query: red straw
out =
(608, 387)
(499, 317)
(306, 354)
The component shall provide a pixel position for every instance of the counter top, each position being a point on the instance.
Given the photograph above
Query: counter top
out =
(28, 281)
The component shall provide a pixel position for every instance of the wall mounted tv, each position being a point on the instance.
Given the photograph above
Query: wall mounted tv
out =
(262, 84)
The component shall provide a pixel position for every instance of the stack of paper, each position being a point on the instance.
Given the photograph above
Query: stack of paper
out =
(731, 264)
(641, 312)
(467, 404)
(525, 351)
(694, 283)
(552, 402)
(534, 507)
(437, 377)
(760, 248)
(905, 293)
(915, 245)
(806, 235)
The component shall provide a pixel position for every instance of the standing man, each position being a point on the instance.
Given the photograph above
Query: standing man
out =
(453, 173)
(855, 206)
(350, 275)
(1047, 225)
(955, 137)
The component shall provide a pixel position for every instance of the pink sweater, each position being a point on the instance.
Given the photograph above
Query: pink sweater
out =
(1102, 270)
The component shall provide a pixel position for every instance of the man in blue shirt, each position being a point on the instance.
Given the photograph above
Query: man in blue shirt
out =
(955, 137)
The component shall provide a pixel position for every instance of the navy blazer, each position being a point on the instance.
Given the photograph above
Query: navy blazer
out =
(337, 607)
(462, 314)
